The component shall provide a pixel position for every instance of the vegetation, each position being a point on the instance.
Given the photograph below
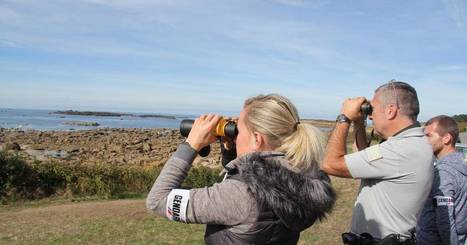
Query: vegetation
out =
(20, 180)
(128, 222)
(460, 118)
(57, 220)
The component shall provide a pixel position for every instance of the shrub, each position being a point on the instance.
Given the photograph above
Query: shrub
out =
(17, 179)
(21, 180)
(201, 176)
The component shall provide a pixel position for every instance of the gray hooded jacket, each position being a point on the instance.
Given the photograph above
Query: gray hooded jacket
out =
(444, 216)
(263, 200)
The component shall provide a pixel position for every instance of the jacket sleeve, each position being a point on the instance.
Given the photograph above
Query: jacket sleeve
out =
(443, 199)
(226, 203)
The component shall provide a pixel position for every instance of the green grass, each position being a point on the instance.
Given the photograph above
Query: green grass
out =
(58, 221)
(102, 222)
(88, 219)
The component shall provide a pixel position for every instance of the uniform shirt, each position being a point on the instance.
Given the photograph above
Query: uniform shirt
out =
(444, 216)
(396, 177)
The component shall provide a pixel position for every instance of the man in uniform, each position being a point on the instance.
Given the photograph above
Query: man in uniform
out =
(396, 174)
(444, 216)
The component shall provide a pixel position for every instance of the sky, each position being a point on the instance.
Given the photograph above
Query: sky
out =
(209, 56)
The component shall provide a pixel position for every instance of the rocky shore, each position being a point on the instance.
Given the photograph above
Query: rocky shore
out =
(141, 147)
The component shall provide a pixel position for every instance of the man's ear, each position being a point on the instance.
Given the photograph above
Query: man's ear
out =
(391, 112)
(446, 139)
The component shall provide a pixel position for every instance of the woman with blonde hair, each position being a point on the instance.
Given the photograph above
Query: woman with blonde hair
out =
(273, 189)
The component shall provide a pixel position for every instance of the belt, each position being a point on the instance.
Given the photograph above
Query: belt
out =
(350, 238)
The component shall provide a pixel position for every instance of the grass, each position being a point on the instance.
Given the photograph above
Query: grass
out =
(58, 221)
(97, 222)
(90, 220)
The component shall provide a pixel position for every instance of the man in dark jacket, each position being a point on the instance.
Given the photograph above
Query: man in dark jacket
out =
(444, 216)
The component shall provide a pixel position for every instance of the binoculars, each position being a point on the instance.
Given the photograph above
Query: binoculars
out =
(224, 128)
(366, 108)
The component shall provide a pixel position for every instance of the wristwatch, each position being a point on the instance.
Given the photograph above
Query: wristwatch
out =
(343, 119)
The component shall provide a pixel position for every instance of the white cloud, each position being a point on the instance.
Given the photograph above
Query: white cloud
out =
(451, 68)
(301, 3)
(457, 11)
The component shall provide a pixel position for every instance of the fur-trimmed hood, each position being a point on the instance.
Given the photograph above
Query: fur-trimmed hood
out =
(297, 199)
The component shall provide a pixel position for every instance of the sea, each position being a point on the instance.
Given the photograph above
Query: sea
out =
(47, 120)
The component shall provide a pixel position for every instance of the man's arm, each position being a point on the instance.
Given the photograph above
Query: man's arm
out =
(360, 135)
(334, 162)
(444, 192)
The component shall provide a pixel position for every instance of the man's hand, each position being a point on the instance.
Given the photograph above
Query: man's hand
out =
(351, 108)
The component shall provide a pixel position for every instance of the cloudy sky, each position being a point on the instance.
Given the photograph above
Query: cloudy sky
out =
(208, 56)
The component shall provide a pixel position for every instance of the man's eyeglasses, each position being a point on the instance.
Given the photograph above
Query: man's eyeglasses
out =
(393, 81)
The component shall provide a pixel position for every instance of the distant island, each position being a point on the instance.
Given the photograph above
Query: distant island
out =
(110, 114)
(78, 123)
(157, 116)
(92, 113)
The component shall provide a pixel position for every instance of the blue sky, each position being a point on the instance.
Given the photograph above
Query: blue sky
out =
(208, 56)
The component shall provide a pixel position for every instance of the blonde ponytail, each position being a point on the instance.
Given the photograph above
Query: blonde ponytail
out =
(277, 119)
(305, 147)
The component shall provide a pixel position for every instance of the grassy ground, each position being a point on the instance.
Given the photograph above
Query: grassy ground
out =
(126, 221)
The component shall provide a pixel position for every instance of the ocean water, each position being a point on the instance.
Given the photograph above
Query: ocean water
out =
(45, 120)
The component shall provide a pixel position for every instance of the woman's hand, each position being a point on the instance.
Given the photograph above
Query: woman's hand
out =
(203, 131)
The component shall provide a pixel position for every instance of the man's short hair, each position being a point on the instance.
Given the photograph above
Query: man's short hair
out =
(446, 125)
(401, 94)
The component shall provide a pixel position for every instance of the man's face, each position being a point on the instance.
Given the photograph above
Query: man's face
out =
(377, 116)
(434, 138)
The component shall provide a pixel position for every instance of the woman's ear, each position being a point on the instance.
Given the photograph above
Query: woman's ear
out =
(260, 143)
(256, 141)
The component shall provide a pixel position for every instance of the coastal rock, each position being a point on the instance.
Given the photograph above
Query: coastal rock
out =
(11, 146)
(146, 147)
(116, 148)
(83, 124)
(110, 146)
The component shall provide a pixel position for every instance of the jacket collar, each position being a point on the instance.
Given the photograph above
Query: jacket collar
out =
(274, 156)
(413, 131)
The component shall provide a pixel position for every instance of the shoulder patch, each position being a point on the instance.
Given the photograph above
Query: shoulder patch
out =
(177, 204)
(373, 153)
(443, 201)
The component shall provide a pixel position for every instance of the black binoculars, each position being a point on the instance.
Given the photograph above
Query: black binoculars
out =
(224, 128)
(366, 108)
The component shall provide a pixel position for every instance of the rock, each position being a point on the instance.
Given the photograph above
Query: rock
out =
(135, 142)
(38, 147)
(146, 147)
(137, 147)
(110, 146)
(116, 148)
(11, 146)
(74, 150)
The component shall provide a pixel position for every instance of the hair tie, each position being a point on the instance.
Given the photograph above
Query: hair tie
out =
(296, 125)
